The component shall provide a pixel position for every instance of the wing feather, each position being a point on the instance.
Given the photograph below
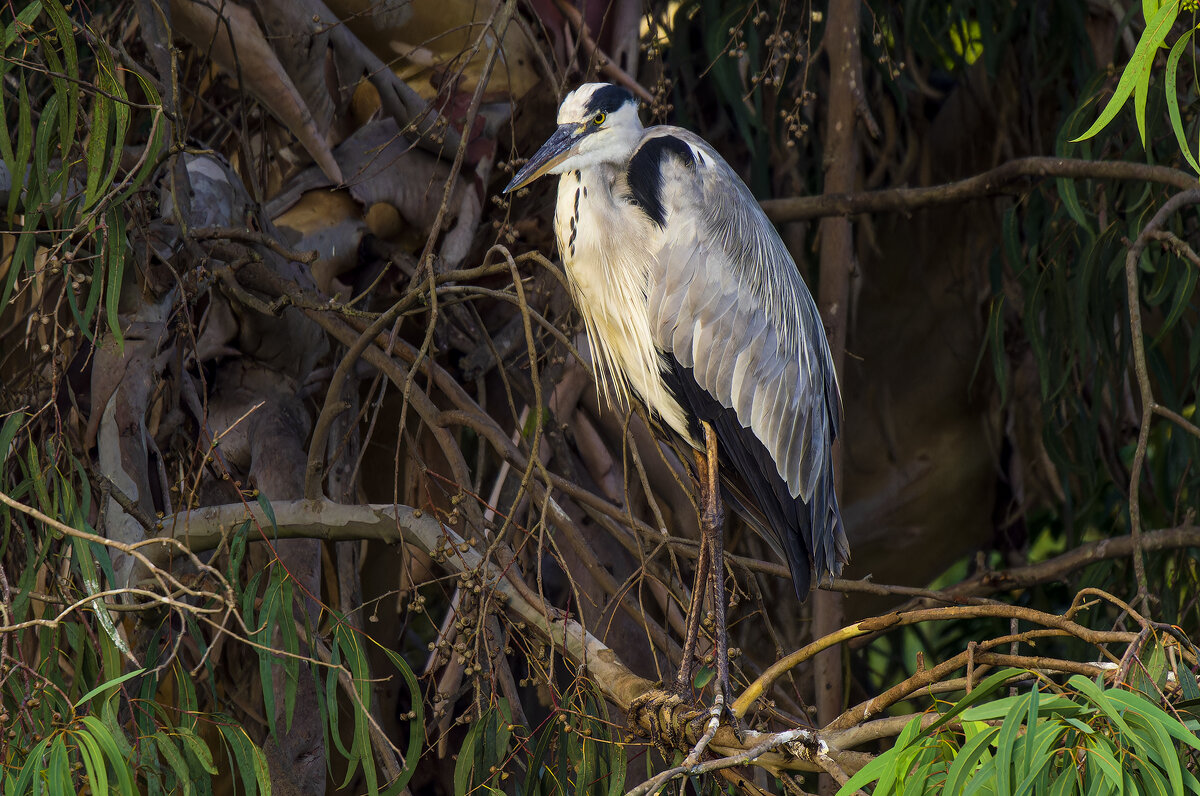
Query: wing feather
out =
(730, 307)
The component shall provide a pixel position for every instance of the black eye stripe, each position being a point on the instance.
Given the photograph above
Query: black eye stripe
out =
(608, 99)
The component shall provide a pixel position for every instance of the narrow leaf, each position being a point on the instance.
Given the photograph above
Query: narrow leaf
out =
(1138, 67)
(1172, 92)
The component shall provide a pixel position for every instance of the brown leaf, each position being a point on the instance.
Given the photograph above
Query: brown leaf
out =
(236, 44)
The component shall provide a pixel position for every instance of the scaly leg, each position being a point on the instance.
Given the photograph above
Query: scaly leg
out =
(659, 709)
(712, 527)
(683, 680)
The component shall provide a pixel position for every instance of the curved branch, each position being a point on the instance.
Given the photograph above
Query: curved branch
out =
(1077, 558)
(205, 528)
(1003, 179)
(894, 620)
(1169, 208)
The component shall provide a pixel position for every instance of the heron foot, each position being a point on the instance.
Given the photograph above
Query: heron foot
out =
(663, 716)
(672, 722)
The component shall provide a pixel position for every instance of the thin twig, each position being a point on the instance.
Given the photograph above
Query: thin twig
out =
(1138, 340)
(789, 737)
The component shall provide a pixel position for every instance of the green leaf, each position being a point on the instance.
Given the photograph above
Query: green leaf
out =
(1101, 756)
(97, 147)
(20, 165)
(465, 764)
(882, 769)
(1031, 721)
(153, 146)
(85, 560)
(1172, 92)
(1000, 708)
(347, 639)
(1183, 675)
(108, 745)
(330, 698)
(69, 88)
(1184, 290)
(1137, 72)
(120, 111)
(58, 769)
(174, 758)
(8, 432)
(1066, 783)
(249, 759)
(83, 700)
(1099, 699)
(108, 717)
(1168, 723)
(262, 771)
(918, 781)
(1041, 751)
(22, 256)
(1150, 8)
(416, 725)
(32, 767)
(1006, 742)
(967, 759)
(1162, 751)
(237, 551)
(981, 692)
(265, 505)
(1153, 782)
(538, 761)
(197, 748)
(1070, 198)
(93, 762)
(95, 288)
(1086, 729)
(1141, 89)
(115, 272)
(25, 18)
(42, 187)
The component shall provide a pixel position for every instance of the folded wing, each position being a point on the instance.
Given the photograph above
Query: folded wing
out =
(743, 345)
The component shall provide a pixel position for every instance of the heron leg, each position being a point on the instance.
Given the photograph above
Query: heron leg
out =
(696, 607)
(712, 527)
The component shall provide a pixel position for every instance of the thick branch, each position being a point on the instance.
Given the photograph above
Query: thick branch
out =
(204, 529)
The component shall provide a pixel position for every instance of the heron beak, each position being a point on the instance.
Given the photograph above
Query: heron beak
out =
(554, 151)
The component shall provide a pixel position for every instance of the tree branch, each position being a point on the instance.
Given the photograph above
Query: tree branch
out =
(205, 528)
(1169, 208)
(838, 262)
(1077, 558)
(1005, 179)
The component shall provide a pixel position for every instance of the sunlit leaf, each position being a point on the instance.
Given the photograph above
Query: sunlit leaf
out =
(83, 700)
(1137, 72)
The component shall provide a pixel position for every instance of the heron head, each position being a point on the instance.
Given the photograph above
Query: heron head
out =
(597, 123)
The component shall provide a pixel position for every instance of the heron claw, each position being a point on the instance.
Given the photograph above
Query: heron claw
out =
(668, 719)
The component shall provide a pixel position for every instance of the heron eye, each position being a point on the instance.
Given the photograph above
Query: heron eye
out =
(599, 118)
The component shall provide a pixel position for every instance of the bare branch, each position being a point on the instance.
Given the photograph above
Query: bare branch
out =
(1169, 208)
(1005, 179)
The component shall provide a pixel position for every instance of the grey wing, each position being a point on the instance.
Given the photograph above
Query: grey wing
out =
(728, 303)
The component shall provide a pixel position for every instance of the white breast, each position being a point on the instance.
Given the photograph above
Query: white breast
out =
(607, 254)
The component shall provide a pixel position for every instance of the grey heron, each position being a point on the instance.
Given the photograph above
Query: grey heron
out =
(692, 303)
